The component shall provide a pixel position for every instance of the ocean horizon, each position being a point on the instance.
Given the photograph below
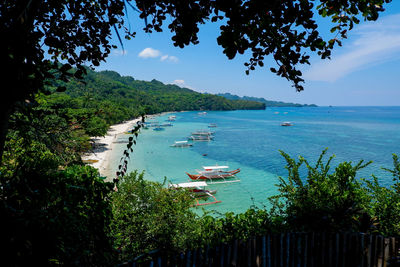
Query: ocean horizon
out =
(252, 140)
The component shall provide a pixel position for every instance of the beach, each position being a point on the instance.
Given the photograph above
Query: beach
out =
(103, 146)
(99, 156)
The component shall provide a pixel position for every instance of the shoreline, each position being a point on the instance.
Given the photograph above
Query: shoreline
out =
(99, 156)
(103, 146)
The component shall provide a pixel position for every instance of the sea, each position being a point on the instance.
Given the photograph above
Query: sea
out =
(253, 141)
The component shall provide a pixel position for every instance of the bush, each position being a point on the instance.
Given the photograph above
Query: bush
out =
(385, 204)
(52, 216)
(322, 201)
(147, 216)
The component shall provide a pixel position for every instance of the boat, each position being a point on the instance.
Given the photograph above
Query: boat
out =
(151, 124)
(286, 123)
(181, 144)
(158, 128)
(167, 124)
(197, 189)
(212, 173)
(201, 138)
(202, 113)
(171, 118)
(203, 132)
(212, 125)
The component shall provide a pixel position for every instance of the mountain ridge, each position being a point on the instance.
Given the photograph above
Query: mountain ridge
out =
(268, 103)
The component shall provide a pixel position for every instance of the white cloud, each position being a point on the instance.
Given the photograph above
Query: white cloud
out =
(149, 53)
(181, 83)
(169, 58)
(153, 53)
(375, 43)
(173, 59)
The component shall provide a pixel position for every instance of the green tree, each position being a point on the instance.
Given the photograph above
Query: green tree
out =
(147, 216)
(52, 216)
(385, 204)
(322, 201)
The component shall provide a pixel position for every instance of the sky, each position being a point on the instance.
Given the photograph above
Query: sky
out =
(363, 72)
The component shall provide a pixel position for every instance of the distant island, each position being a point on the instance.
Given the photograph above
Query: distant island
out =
(268, 103)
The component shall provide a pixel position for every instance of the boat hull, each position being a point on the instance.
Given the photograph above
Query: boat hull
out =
(220, 175)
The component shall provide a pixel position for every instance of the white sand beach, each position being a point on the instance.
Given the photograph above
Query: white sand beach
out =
(103, 147)
(98, 157)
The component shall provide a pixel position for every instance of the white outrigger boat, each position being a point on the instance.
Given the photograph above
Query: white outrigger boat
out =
(203, 132)
(201, 135)
(181, 144)
(198, 191)
(213, 173)
(171, 118)
(201, 138)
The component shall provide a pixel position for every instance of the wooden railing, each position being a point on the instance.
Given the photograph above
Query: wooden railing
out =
(291, 249)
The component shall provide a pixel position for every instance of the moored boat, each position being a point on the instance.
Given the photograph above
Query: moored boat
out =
(181, 144)
(202, 132)
(214, 173)
(201, 138)
(286, 123)
(158, 128)
(212, 125)
(171, 118)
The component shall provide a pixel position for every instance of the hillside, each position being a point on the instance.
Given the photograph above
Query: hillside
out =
(268, 103)
(151, 96)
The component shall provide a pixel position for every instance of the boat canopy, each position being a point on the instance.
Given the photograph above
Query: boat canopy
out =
(180, 142)
(209, 168)
(189, 185)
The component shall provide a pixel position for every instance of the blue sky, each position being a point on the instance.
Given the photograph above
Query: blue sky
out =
(363, 72)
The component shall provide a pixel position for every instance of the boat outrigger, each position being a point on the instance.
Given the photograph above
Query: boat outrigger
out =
(198, 191)
(213, 173)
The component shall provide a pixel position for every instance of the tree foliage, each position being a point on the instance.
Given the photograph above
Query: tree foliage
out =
(385, 204)
(52, 215)
(323, 200)
(147, 216)
(286, 29)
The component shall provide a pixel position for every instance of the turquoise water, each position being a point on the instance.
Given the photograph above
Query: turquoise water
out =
(251, 140)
